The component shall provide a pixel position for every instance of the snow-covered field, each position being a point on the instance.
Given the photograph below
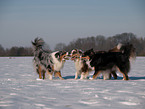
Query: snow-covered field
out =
(21, 89)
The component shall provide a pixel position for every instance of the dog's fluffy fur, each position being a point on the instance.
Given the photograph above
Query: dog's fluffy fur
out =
(46, 61)
(106, 74)
(81, 66)
(109, 61)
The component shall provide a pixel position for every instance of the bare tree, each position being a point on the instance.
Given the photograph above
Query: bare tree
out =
(60, 46)
(2, 51)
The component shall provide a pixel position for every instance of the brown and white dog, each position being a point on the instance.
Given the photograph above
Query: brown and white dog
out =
(80, 64)
(46, 61)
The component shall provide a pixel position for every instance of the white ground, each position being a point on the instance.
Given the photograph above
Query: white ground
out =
(20, 88)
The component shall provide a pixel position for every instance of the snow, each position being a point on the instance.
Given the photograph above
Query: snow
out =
(20, 88)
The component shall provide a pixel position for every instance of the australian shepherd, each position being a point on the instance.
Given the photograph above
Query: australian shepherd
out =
(46, 61)
(81, 65)
(110, 61)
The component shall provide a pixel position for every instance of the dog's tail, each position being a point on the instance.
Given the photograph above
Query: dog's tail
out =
(128, 50)
(38, 42)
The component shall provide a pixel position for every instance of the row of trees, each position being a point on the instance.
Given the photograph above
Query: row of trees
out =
(16, 51)
(97, 43)
(105, 43)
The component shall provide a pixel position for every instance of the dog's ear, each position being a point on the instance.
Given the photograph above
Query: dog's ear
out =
(80, 51)
(57, 55)
(92, 51)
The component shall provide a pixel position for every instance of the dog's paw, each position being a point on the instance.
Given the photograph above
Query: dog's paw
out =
(38, 79)
(91, 78)
(61, 78)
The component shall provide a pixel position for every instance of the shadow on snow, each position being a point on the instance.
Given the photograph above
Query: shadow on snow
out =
(118, 78)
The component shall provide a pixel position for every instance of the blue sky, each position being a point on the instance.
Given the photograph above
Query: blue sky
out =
(65, 20)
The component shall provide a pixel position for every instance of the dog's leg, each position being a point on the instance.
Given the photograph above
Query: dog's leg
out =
(50, 75)
(86, 74)
(96, 74)
(76, 76)
(124, 69)
(110, 76)
(43, 74)
(55, 74)
(39, 72)
(106, 75)
(82, 75)
(114, 74)
(125, 75)
(58, 74)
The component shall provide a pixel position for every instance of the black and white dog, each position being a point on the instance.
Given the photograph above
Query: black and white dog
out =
(109, 61)
(81, 66)
(46, 61)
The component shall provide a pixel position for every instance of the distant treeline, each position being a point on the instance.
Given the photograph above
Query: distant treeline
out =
(105, 43)
(16, 51)
(97, 43)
